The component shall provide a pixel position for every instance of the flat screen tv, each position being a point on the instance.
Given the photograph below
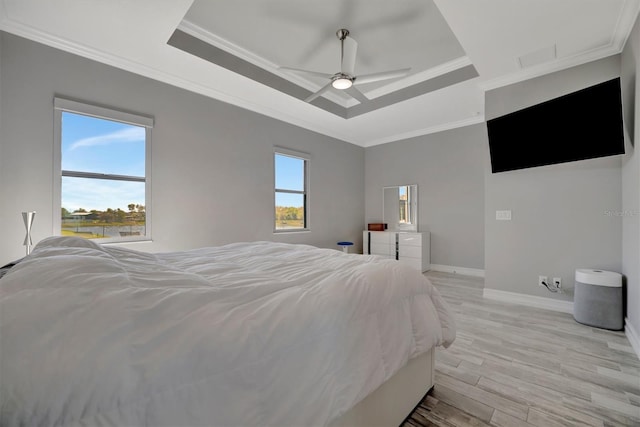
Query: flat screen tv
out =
(581, 125)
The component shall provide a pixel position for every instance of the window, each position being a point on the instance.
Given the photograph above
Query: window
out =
(102, 182)
(291, 191)
(405, 205)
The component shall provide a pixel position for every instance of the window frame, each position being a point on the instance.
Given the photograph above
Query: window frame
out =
(305, 192)
(61, 105)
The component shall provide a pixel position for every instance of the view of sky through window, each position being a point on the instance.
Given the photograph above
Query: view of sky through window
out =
(289, 176)
(90, 144)
(290, 200)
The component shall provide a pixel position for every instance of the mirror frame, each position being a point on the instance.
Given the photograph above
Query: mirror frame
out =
(395, 225)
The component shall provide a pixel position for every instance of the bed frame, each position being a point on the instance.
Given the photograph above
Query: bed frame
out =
(395, 399)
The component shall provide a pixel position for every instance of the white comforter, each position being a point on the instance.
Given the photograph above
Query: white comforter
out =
(248, 334)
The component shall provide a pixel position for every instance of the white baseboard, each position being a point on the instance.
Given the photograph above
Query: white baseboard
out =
(458, 270)
(633, 336)
(529, 300)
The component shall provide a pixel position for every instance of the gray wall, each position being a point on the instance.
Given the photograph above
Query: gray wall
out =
(2, 206)
(212, 162)
(449, 170)
(630, 79)
(563, 215)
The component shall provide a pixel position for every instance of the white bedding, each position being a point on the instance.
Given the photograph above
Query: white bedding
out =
(247, 334)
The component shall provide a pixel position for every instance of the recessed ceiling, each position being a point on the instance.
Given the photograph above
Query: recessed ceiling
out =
(456, 51)
(391, 36)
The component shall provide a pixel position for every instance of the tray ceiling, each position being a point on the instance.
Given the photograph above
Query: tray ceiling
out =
(411, 34)
(231, 51)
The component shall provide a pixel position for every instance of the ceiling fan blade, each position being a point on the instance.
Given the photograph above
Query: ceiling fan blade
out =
(353, 91)
(376, 77)
(311, 73)
(322, 90)
(349, 50)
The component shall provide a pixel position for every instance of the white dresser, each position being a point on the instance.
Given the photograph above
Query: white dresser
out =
(409, 247)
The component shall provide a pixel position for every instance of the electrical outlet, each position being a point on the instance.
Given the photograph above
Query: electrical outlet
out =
(542, 280)
(557, 282)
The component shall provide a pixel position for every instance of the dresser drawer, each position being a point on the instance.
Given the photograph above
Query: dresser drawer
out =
(380, 249)
(412, 247)
(382, 238)
(409, 239)
(410, 251)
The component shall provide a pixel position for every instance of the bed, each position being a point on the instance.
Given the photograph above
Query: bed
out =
(246, 334)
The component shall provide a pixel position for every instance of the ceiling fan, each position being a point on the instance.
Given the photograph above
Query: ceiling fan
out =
(345, 79)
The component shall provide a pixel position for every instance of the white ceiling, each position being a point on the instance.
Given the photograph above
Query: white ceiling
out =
(302, 34)
(433, 37)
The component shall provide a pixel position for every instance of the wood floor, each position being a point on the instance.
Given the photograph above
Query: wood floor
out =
(518, 366)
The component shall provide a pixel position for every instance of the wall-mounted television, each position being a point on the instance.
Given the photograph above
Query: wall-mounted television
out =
(581, 125)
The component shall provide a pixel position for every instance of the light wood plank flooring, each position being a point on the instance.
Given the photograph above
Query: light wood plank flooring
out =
(518, 366)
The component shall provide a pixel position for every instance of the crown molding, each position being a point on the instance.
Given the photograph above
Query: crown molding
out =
(207, 36)
(259, 61)
(20, 29)
(84, 51)
(421, 76)
(624, 25)
(548, 68)
(426, 131)
(107, 58)
(626, 20)
(224, 44)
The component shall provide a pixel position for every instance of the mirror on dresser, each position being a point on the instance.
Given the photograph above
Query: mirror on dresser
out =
(401, 241)
(400, 207)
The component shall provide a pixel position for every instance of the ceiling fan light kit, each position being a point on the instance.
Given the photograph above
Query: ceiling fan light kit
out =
(346, 78)
(342, 81)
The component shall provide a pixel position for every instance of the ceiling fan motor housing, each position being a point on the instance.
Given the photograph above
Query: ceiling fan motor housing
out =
(342, 33)
(346, 78)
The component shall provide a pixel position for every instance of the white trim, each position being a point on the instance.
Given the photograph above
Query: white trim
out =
(208, 37)
(465, 271)
(529, 300)
(108, 58)
(101, 112)
(257, 60)
(592, 277)
(626, 20)
(61, 105)
(632, 336)
(56, 190)
(291, 153)
(148, 202)
(420, 77)
(306, 157)
(425, 131)
(548, 68)
(104, 57)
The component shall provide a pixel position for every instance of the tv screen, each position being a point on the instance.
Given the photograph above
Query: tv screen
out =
(581, 125)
